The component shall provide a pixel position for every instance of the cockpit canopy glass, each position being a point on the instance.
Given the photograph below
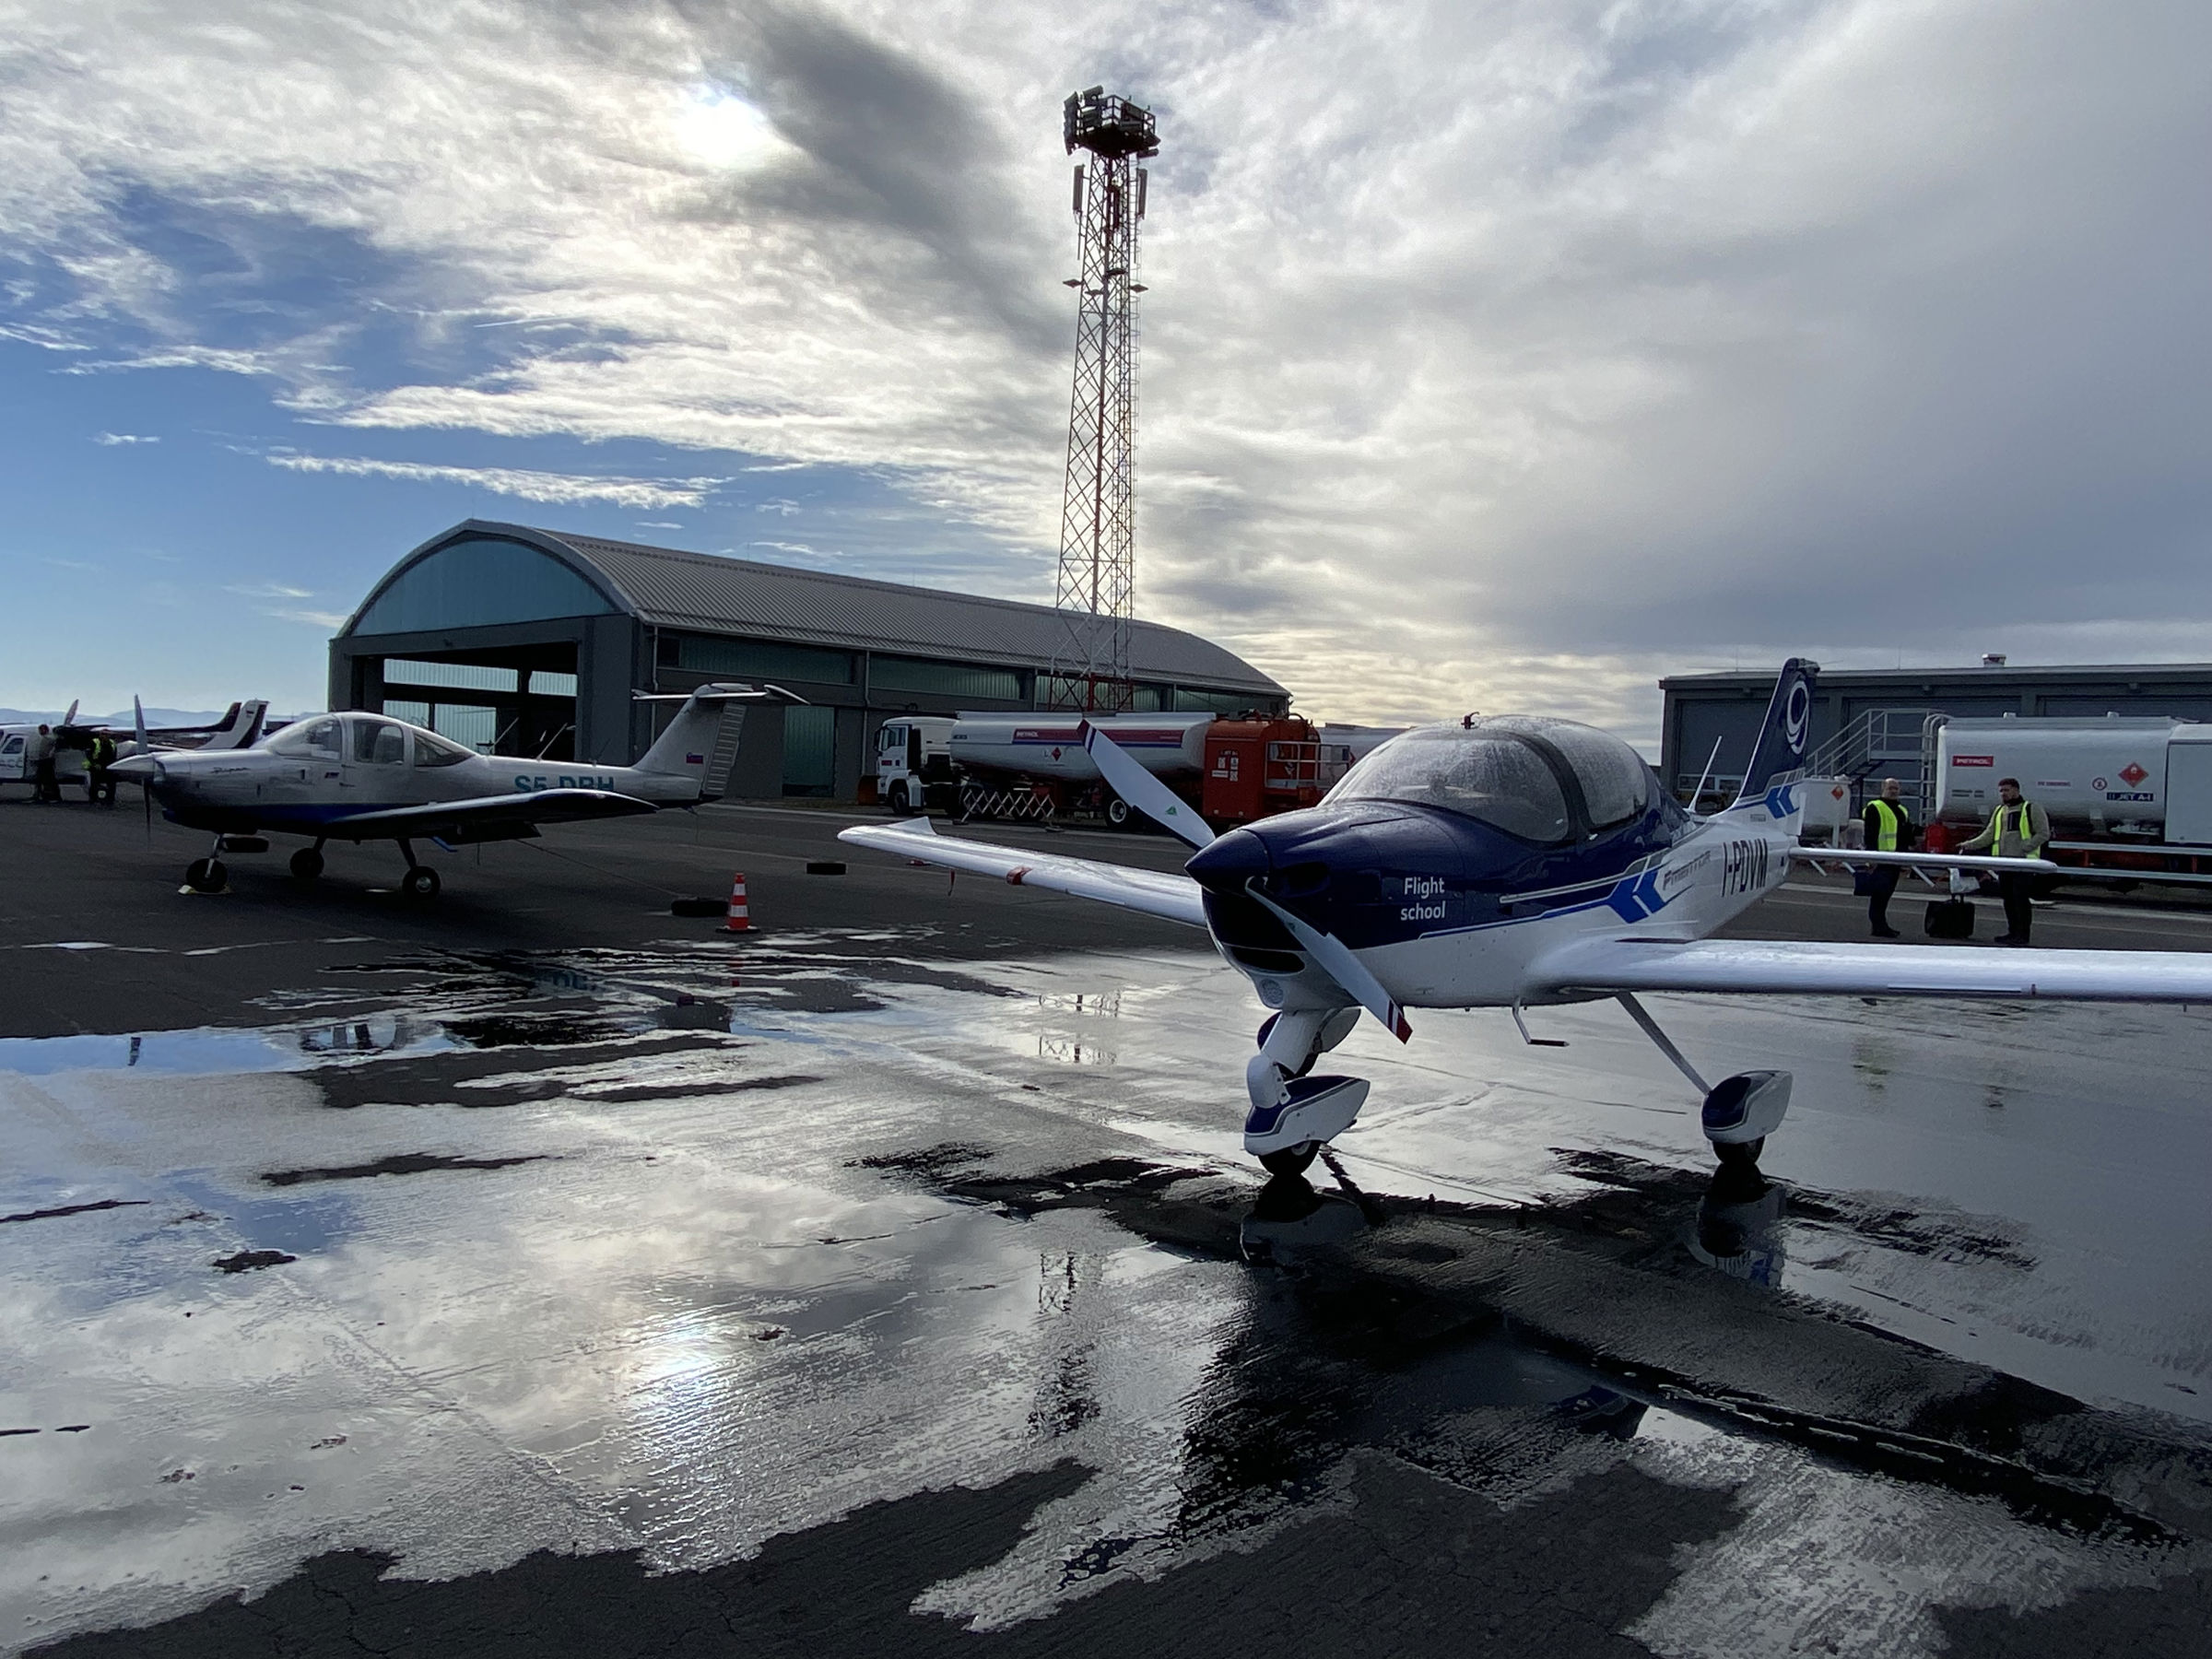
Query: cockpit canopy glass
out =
(378, 742)
(317, 737)
(433, 751)
(1616, 785)
(1506, 773)
(1495, 779)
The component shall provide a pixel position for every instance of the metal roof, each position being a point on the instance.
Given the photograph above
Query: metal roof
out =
(710, 594)
(2001, 675)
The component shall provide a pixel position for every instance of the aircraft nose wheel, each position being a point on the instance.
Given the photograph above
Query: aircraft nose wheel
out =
(1290, 1161)
(1739, 1155)
(206, 875)
(421, 882)
(307, 864)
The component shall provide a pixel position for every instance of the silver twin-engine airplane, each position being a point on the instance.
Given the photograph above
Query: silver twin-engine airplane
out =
(370, 777)
(1516, 862)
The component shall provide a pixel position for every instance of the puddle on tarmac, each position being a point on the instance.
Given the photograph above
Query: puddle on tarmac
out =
(756, 1239)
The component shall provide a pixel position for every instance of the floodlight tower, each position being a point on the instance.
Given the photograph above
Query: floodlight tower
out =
(1098, 514)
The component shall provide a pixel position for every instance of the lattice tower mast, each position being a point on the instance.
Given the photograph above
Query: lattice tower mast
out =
(1098, 517)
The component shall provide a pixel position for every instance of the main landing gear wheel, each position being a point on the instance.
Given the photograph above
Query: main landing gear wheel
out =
(1739, 1155)
(206, 875)
(421, 882)
(1290, 1161)
(307, 864)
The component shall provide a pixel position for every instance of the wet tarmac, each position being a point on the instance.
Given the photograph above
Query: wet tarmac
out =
(892, 1281)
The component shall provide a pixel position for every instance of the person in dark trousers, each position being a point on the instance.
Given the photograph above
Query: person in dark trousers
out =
(1889, 829)
(2017, 829)
(45, 786)
(100, 784)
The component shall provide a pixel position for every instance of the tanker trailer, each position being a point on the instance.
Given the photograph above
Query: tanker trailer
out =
(2096, 778)
(1034, 765)
(2128, 798)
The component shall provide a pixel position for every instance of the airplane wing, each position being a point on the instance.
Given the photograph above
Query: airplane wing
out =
(487, 818)
(1155, 892)
(1775, 966)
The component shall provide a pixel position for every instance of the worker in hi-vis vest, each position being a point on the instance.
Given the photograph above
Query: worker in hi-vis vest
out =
(1889, 829)
(2017, 829)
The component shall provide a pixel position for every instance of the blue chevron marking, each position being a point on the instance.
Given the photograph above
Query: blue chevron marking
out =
(1637, 897)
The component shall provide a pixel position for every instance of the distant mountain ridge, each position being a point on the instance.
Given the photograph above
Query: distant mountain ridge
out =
(154, 717)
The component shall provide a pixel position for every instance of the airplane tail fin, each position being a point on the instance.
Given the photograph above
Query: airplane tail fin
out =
(701, 741)
(240, 727)
(1778, 757)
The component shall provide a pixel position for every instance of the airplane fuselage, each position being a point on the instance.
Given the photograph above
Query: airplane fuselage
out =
(310, 778)
(1447, 913)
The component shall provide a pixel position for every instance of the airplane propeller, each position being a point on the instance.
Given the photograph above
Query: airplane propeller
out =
(145, 784)
(1336, 959)
(1143, 791)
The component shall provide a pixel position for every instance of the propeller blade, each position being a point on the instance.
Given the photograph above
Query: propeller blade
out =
(138, 724)
(1336, 956)
(70, 719)
(1141, 790)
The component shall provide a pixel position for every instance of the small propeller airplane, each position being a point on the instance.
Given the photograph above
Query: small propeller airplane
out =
(1515, 862)
(360, 777)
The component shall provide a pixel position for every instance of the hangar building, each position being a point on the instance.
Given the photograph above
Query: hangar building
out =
(531, 642)
(1873, 723)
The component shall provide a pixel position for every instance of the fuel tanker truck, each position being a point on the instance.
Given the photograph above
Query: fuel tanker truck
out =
(2125, 795)
(1034, 765)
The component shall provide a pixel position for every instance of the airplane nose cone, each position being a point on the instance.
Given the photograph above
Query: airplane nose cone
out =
(1232, 859)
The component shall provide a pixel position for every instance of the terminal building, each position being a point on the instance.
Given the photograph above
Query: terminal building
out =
(527, 641)
(1874, 723)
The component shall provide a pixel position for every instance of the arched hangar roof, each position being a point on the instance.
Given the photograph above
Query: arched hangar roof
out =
(483, 572)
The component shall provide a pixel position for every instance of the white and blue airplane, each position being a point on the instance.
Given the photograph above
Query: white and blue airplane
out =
(363, 777)
(1513, 863)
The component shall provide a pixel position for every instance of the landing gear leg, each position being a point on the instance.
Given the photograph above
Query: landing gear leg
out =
(421, 880)
(207, 875)
(1294, 1115)
(1739, 1112)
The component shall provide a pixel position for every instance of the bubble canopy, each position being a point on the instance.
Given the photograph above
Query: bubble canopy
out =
(1540, 781)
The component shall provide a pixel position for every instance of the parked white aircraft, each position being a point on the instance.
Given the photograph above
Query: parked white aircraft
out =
(370, 777)
(1513, 863)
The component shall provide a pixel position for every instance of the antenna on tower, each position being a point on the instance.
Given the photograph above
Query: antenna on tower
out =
(1097, 512)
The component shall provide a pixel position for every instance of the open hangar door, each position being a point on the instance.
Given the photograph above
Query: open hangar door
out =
(507, 702)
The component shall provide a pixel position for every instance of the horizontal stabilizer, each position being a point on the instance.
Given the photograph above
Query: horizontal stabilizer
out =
(1850, 856)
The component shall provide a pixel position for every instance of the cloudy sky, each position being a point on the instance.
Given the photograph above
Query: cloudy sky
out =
(1497, 354)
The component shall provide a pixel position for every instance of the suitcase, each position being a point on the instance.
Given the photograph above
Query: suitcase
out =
(1950, 919)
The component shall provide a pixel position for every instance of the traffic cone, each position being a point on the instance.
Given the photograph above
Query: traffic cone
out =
(741, 919)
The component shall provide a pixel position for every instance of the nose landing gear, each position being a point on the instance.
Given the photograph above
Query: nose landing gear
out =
(1294, 1115)
(307, 864)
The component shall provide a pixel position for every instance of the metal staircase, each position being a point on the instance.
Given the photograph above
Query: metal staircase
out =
(1889, 743)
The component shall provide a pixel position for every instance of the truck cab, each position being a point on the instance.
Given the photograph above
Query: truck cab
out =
(913, 764)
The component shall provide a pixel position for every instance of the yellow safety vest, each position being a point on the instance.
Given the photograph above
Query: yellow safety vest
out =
(1996, 826)
(1885, 837)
